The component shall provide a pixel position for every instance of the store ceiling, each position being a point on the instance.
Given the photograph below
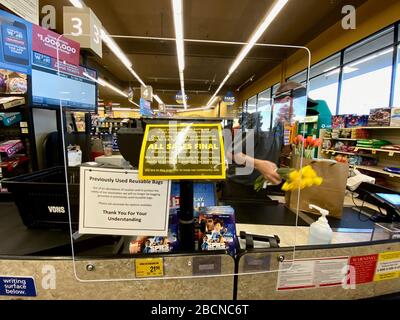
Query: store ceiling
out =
(206, 64)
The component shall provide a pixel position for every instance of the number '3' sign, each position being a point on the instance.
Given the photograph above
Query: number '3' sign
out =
(83, 26)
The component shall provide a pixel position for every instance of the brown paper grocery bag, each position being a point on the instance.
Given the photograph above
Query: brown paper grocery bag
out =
(329, 195)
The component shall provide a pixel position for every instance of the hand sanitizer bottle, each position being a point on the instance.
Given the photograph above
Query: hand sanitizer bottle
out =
(320, 231)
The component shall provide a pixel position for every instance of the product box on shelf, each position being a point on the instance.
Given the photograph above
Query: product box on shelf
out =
(11, 163)
(395, 117)
(8, 119)
(218, 229)
(379, 117)
(10, 147)
(356, 121)
(338, 122)
(11, 102)
(360, 134)
(12, 82)
(158, 244)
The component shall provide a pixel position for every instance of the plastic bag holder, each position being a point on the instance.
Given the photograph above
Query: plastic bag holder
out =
(250, 238)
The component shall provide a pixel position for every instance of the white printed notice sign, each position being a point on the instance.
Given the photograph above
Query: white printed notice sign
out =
(116, 202)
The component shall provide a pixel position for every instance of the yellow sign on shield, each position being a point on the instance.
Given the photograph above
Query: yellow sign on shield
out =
(182, 152)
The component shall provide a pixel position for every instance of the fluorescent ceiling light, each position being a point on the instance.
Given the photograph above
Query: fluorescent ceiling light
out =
(195, 109)
(183, 95)
(175, 106)
(109, 85)
(211, 101)
(134, 103)
(180, 49)
(136, 76)
(89, 77)
(98, 80)
(157, 98)
(269, 18)
(77, 3)
(111, 44)
(178, 24)
(104, 83)
(125, 109)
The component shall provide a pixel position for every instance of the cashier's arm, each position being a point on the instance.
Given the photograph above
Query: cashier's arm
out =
(267, 168)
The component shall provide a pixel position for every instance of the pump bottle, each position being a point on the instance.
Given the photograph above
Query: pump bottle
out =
(320, 231)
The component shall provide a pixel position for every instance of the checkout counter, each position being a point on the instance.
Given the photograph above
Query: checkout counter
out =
(258, 273)
(284, 267)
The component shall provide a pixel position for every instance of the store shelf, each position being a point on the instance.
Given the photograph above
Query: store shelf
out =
(340, 152)
(378, 150)
(347, 153)
(12, 94)
(377, 128)
(376, 169)
(344, 139)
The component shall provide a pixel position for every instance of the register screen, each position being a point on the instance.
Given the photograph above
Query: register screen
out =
(391, 198)
(48, 89)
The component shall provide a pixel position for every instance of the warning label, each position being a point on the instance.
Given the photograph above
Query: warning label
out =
(312, 273)
(364, 268)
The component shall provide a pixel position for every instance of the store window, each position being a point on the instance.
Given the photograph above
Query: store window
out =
(264, 107)
(370, 45)
(325, 87)
(275, 88)
(366, 83)
(252, 104)
(396, 101)
(326, 65)
(300, 77)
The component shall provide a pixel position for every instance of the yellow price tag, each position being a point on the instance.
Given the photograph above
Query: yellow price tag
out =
(391, 154)
(373, 151)
(356, 150)
(152, 267)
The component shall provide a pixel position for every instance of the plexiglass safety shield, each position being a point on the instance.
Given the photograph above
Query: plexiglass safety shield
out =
(170, 179)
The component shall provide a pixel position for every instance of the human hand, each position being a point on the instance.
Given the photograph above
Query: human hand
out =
(268, 170)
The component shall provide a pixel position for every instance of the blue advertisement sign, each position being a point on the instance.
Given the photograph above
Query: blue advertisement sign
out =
(41, 60)
(15, 43)
(145, 108)
(229, 98)
(179, 97)
(17, 286)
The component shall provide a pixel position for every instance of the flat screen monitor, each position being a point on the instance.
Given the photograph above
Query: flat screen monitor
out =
(393, 199)
(73, 90)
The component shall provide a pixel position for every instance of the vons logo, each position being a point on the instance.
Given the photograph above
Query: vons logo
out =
(53, 209)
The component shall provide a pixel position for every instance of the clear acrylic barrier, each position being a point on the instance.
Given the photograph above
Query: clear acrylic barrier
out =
(112, 192)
